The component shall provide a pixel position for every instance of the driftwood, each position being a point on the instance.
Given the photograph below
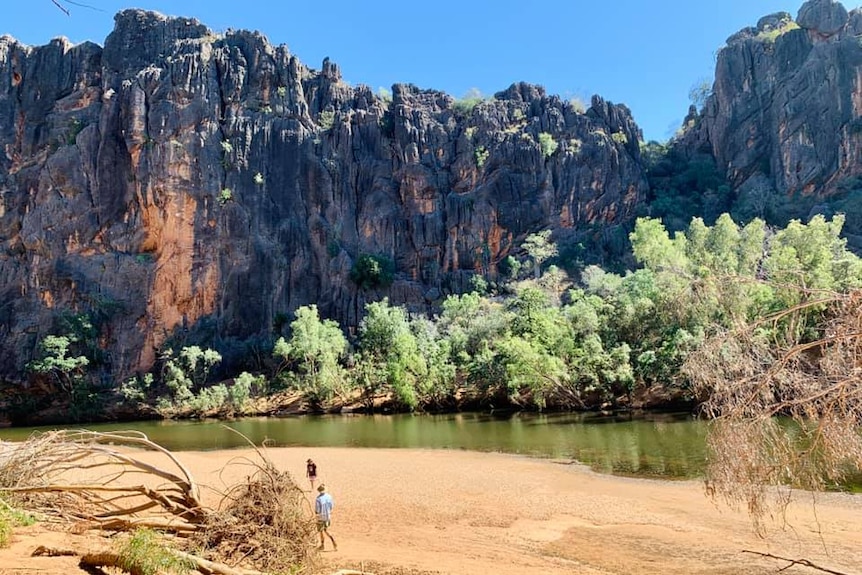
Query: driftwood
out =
(47, 471)
(91, 480)
(792, 562)
(98, 559)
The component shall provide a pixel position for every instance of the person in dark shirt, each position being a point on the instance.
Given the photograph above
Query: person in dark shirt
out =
(311, 472)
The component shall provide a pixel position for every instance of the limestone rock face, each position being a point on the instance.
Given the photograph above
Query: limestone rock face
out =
(181, 184)
(825, 17)
(784, 115)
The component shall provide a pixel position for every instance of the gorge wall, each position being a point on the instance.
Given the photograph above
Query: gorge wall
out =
(784, 121)
(181, 185)
(179, 182)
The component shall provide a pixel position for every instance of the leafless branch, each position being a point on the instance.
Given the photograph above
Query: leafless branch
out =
(792, 562)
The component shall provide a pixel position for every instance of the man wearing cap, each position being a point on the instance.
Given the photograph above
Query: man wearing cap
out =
(311, 472)
(323, 508)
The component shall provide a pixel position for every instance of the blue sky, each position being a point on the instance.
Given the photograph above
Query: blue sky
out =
(646, 55)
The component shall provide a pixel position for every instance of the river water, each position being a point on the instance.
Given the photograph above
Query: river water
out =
(650, 445)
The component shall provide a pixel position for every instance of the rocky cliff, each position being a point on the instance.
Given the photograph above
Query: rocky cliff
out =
(180, 183)
(784, 121)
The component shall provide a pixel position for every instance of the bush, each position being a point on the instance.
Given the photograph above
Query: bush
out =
(769, 35)
(620, 138)
(144, 554)
(577, 105)
(244, 386)
(547, 144)
(371, 271)
(225, 196)
(5, 531)
(480, 154)
(326, 119)
(465, 106)
(9, 519)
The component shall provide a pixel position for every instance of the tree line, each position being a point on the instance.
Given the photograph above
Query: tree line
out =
(538, 340)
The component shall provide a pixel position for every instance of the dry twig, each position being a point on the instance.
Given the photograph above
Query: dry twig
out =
(792, 562)
(786, 403)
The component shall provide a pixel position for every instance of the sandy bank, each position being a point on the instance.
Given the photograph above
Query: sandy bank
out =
(460, 512)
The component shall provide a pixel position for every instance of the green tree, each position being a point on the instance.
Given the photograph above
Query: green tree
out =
(372, 271)
(653, 247)
(316, 347)
(188, 371)
(540, 248)
(699, 93)
(67, 371)
(388, 344)
(437, 387)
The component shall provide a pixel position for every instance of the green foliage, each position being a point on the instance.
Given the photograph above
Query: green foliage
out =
(136, 389)
(510, 267)
(326, 119)
(682, 187)
(811, 257)
(281, 91)
(480, 154)
(75, 127)
(540, 248)
(479, 284)
(225, 196)
(315, 350)
(244, 386)
(438, 386)
(391, 350)
(145, 553)
(464, 106)
(56, 363)
(699, 93)
(547, 144)
(9, 519)
(187, 372)
(770, 35)
(384, 94)
(620, 138)
(372, 271)
(577, 105)
(258, 179)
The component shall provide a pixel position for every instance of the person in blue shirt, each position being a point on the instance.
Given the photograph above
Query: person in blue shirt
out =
(323, 508)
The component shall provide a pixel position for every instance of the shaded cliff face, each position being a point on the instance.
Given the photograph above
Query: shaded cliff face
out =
(177, 181)
(784, 116)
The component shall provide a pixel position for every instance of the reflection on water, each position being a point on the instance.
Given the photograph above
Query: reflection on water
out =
(660, 445)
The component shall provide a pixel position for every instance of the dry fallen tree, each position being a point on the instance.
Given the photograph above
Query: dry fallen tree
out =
(96, 480)
(785, 395)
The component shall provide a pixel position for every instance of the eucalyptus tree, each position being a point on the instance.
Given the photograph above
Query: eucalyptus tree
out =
(540, 248)
(389, 352)
(316, 349)
(57, 362)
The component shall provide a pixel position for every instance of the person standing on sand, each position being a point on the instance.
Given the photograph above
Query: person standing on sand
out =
(311, 472)
(323, 508)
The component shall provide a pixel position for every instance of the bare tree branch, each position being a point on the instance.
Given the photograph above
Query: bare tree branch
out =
(792, 562)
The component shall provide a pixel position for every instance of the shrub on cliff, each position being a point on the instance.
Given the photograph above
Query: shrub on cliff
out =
(370, 271)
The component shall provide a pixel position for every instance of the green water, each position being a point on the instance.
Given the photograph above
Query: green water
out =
(655, 445)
